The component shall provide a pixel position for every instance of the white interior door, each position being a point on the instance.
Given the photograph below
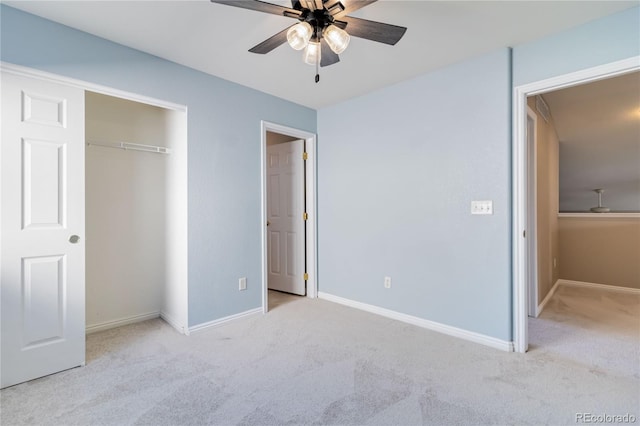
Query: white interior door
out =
(42, 229)
(285, 209)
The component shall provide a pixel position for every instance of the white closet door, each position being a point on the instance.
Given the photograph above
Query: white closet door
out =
(285, 205)
(42, 229)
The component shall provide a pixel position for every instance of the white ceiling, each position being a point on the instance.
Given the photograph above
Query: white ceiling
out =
(598, 126)
(214, 38)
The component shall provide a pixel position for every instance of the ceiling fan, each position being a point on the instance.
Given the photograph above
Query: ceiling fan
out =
(323, 30)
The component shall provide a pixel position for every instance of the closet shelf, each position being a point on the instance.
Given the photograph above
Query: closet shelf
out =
(132, 146)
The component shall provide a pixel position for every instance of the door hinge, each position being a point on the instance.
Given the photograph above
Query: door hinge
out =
(524, 234)
(305, 156)
(305, 216)
(306, 276)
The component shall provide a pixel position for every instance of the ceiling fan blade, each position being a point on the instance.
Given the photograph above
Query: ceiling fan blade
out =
(372, 30)
(261, 6)
(349, 7)
(311, 4)
(271, 43)
(328, 56)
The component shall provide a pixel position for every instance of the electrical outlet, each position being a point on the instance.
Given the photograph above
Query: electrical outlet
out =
(482, 207)
(242, 283)
(555, 262)
(387, 282)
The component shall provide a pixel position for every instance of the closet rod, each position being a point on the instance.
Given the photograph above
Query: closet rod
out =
(132, 147)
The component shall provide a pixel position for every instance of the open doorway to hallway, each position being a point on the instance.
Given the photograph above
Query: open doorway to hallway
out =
(584, 276)
(286, 214)
(521, 193)
(288, 206)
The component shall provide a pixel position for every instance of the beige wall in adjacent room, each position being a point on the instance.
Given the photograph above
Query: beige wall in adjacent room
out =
(276, 138)
(126, 200)
(600, 250)
(547, 198)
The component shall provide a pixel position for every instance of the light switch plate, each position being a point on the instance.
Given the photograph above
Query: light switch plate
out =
(482, 207)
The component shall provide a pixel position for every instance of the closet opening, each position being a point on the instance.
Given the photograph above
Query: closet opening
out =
(136, 213)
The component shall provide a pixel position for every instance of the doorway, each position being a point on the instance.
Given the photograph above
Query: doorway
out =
(286, 214)
(129, 206)
(291, 142)
(532, 188)
(522, 196)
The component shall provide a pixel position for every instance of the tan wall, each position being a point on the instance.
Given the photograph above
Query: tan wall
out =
(276, 138)
(547, 181)
(601, 250)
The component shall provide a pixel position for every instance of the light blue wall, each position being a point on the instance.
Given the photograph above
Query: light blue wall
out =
(398, 169)
(609, 39)
(224, 147)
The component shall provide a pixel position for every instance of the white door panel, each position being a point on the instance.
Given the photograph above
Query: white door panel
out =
(42, 195)
(285, 207)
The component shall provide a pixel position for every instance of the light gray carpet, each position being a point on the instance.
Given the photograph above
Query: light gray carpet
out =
(315, 362)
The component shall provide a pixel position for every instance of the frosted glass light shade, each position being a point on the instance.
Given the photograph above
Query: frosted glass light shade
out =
(299, 35)
(312, 53)
(336, 38)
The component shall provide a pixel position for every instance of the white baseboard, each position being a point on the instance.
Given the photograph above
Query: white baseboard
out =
(120, 322)
(600, 286)
(218, 322)
(420, 322)
(173, 323)
(547, 298)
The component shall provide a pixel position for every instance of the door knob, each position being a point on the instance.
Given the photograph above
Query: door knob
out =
(268, 223)
(74, 239)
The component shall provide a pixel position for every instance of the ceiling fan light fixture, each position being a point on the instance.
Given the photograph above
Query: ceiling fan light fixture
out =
(337, 38)
(299, 35)
(312, 53)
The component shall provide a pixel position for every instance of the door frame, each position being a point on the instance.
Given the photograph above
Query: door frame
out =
(532, 196)
(520, 197)
(310, 202)
(178, 239)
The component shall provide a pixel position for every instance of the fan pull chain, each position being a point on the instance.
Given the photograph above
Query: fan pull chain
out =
(318, 58)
